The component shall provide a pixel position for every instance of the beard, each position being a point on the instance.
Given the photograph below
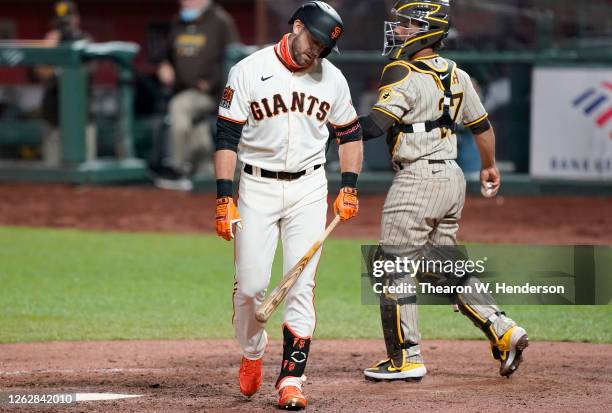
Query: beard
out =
(304, 60)
(301, 57)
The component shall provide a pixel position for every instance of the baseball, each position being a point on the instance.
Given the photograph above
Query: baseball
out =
(486, 189)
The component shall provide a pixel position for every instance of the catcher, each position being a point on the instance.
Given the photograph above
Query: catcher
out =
(423, 98)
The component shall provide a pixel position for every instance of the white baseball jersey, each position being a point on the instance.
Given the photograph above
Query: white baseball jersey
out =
(418, 98)
(285, 112)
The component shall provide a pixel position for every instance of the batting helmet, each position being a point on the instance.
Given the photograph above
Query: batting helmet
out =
(323, 22)
(432, 19)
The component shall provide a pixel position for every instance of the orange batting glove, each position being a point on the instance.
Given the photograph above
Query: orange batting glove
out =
(226, 216)
(346, 204)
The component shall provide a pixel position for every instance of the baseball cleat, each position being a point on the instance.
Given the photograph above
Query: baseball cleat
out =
(291, 398)
(250, 376)
(385, 370)
(509, 349)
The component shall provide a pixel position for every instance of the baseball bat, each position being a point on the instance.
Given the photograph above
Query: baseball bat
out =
(265, 310)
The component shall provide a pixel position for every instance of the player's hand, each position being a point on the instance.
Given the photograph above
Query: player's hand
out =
(226, 216)
(346, 204)
(489, 181)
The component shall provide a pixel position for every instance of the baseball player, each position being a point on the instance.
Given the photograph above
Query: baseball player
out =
(273, 117)
(423, 98)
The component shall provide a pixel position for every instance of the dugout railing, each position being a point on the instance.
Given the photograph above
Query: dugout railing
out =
(362, 69)
(70, 62)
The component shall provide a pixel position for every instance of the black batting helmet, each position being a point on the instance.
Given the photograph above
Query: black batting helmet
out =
(323, 22)
(432, 18)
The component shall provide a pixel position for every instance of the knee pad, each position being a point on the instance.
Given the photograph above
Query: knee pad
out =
(444, 266)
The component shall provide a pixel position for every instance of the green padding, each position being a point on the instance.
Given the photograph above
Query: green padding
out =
(20, 132)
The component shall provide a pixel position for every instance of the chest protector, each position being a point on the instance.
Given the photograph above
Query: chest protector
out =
(443, 79)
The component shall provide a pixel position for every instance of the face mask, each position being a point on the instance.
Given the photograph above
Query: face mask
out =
(189, 15)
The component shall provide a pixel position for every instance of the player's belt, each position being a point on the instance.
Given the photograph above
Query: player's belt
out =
(400, 165)
(283, 176)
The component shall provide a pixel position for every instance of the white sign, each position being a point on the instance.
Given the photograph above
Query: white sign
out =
(571, 123)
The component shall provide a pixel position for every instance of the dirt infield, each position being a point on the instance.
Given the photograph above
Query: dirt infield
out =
(177, 376)
(196, 376)
(529, 220)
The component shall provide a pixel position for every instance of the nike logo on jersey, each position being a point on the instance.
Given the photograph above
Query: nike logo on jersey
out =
(263, 79)
(310, 105)
(444, 77)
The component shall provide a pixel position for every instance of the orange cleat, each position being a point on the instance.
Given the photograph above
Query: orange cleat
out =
(291, 398)
(250, 376)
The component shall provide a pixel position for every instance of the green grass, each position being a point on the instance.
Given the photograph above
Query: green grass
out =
(73, 285)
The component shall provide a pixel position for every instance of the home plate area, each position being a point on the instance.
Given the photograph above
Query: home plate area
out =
(201, 375)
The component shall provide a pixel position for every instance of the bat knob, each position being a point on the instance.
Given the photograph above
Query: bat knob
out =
(261, 316)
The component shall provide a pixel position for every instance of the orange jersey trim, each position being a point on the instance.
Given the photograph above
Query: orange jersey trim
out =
(346, 124)
(232, 120)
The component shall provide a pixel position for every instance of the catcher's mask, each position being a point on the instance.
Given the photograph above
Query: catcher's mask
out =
(429, 17)
(323, 23)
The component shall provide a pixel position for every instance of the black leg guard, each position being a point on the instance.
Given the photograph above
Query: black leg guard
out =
(392, 331)
(295, 355)
(390, 309)
(485, 325)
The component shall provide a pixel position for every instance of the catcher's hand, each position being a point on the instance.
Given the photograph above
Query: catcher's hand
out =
(490, 181)
(346, 204)
(226, 216)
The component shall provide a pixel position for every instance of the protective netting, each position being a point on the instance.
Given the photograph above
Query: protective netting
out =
(478, 24)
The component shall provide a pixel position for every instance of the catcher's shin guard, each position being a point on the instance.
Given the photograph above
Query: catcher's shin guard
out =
(506, 338)
(481, 309)
(485, 324)
(398, 316)
(398, 366)
(396, 330)
(295, 355)
(393, 333)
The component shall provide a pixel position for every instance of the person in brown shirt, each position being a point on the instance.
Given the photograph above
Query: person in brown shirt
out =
(194, 68)
(66, 28)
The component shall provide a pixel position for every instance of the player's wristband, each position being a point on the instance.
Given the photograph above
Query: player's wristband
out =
(349, 179)
(225, 187)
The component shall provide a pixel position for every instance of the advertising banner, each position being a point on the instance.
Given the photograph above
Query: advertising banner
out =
(571, 123)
